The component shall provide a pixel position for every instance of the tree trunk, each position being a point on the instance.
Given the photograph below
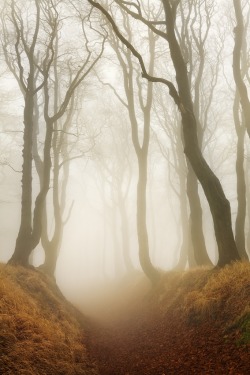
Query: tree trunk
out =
(125, 233)
(28, 236)
(23, 246)
(248, 203)
(51, 254)
(219, 205)
(145, 261)
(197, 235)
(186, 251)
(237, 72)
(241, 184)
(241, 196)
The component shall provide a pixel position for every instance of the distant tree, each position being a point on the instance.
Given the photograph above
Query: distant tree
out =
(169, 121)
(192, 40)
(115, 170)
(138, 98)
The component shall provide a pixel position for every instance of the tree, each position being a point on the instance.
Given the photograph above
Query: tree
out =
(192, 38)
(240, 67)
(219, 205)
(240, 35)
(134, 93)
(30, 35)
(169, 121)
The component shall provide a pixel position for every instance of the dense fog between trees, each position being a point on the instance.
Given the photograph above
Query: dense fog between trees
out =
(114, 135)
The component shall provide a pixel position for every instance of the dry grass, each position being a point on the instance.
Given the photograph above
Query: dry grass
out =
(221, 295)
(41, 334)
(226, 292)
(39, 330)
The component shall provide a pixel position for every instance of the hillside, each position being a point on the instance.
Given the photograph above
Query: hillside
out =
(40, 332)
(193, 322)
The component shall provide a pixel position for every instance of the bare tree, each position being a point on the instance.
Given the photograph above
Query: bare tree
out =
(134, 93)
(240, 41)
(240, 68)
(219, 205)
(169, 121)
(30, 34)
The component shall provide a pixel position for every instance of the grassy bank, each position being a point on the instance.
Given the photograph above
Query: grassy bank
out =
(40, 332)
(181, 324)
(217, 295)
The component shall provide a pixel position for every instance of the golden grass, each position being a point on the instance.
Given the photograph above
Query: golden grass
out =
(39, 330)
(225, 292)
(203, 293)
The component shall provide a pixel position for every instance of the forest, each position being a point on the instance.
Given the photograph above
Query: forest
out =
(125, 160)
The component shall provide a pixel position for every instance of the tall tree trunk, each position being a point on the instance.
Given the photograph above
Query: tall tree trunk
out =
(144, 256)
(186, 251)
(240, 35)
(197, 235)
(241, 185)
(23, 246)
(125, 233)
(140, 150)
(29, 235)
(41, 197)
(219, 205)
(248, 203)
(51, 247)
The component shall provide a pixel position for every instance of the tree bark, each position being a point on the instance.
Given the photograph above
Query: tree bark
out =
(186, 251)
(145, 261)
(239, 39)
(241, 184)
(195, 219)
(219, 205)
(23, 246)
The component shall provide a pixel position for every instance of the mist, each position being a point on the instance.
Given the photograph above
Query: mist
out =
(101, 138)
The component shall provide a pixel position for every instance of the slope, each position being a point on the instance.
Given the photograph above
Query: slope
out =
(40, 332)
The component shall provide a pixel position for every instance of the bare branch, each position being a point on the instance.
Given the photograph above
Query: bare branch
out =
(172, 90)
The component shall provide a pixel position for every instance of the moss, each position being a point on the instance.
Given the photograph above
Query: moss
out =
(244, 326)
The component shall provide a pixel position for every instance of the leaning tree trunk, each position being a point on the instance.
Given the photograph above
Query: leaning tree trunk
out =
(219, 205)
(186, 251)
(196, 227)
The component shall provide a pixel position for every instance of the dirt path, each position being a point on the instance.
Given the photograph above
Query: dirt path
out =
(145, 340)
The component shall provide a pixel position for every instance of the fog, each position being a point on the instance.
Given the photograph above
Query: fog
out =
(101, 157)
